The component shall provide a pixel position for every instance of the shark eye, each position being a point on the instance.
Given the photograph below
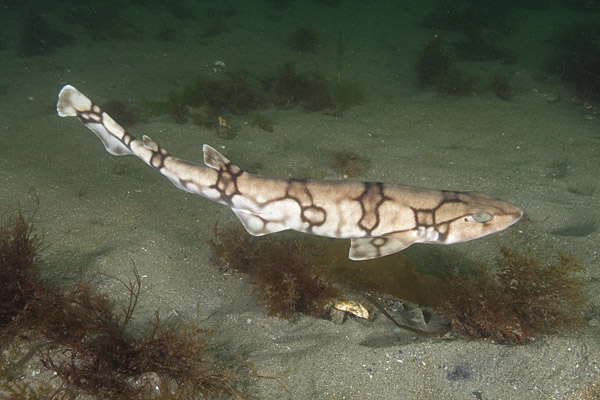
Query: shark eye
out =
(481, 216)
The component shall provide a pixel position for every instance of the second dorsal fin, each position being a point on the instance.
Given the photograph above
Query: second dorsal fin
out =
(214, 159)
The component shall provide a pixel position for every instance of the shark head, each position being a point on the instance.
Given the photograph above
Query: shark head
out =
(474, 216)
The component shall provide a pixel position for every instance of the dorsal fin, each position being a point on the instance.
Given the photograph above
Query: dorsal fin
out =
(214, 159)
(149, 143)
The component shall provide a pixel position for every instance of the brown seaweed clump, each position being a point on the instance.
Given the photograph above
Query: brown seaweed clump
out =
(501, 86)
(97, 356)
(209, 99)
(303, 40)
(233, 95)
(126, 116)
(526, 297)
(282, 270)
(576, 57)
(19, 256)
(87, 343)
(436, 68)
(309, 91)
(260, 121)
(348, 163)
(37, 37)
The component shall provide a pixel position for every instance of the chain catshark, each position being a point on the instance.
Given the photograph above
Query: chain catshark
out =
(378, 218)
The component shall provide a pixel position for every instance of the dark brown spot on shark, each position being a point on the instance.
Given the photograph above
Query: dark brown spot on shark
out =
(314, 215)
(226, 183)
(370, 200)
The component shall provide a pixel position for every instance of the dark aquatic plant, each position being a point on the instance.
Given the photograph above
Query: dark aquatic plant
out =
(121, 112)
(348, 163)
(501, 86)
(306, 90)
(282, 269)
(19, 275)
(87, 343)
(303, 40)
(576, 58)
(97, 355)
(37, 37)
(436, 68)
(520, 297)
(526, 297)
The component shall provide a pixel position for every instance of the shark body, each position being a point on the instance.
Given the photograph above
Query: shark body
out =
(378, 218)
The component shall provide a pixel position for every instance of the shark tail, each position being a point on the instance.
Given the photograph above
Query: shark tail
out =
(73, 103)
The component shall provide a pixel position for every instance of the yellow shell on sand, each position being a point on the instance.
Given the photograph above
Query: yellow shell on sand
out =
(355, 308)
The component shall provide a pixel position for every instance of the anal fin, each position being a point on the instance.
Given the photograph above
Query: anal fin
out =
(373, 247)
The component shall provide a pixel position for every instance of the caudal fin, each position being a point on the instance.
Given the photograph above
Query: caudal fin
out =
(73, 103)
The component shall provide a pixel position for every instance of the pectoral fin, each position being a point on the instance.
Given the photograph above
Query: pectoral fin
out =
(373, 247)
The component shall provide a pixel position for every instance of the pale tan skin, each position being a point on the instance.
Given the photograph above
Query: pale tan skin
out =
(379, 218)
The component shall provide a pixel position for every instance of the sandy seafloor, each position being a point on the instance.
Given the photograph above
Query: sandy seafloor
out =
(98, 213)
